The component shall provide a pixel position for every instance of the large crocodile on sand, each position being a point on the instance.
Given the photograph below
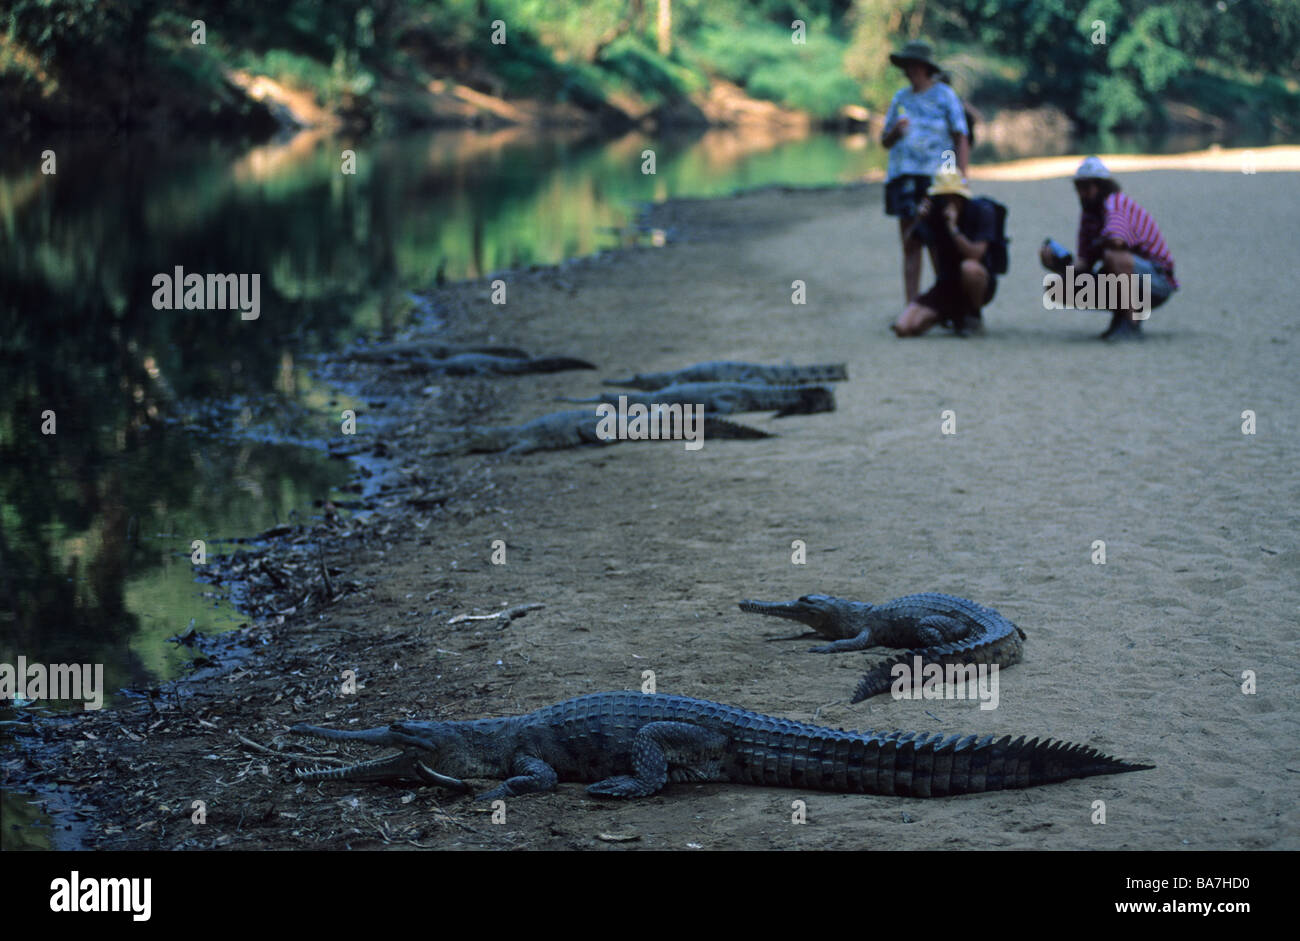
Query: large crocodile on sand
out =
(724, 398)
(722, 371)
(940, 629)
(632, 744)
(571, 429)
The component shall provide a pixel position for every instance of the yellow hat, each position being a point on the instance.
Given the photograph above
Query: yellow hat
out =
(949, 184)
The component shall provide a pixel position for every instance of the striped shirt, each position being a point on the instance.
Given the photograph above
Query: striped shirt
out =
(1123, 219)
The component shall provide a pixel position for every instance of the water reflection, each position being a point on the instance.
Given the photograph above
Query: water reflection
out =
(97, 517)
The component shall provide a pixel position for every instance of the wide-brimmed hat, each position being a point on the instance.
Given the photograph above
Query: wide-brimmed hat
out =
(1092, 169)
(949, 184)
(915, 51)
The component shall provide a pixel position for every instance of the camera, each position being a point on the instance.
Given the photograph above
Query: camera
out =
(1062, 254)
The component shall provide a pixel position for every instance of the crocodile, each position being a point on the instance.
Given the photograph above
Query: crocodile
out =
(631, 744)
(462, 360)
(720, 371)
(425, 349)
(568, 429)
(486, 364)
(723, 398)
(940, 629)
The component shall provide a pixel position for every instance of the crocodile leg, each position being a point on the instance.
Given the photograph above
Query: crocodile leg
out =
(931, 631)
(696, 751)
(1004, 652)
(940, 629)
(530, 776)
(862, 642)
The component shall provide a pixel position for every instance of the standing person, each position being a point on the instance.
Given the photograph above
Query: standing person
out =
(923, 120)
(1116, 236)
(959, 231)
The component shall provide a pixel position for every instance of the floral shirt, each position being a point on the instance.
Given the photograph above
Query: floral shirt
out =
(933, 116)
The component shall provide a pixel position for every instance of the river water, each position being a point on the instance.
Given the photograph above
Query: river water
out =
(169, 423)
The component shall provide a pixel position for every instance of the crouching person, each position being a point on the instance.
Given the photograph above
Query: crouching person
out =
(1116, 237)
(958, 232)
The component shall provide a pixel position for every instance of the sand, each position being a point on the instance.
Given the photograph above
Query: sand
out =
(641, 551)
(1243, 160)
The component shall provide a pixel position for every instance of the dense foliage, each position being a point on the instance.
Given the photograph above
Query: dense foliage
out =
(1106, 63)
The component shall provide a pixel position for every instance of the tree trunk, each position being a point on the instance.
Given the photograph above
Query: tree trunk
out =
(632, 20)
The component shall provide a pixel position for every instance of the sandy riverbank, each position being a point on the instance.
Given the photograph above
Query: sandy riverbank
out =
(1243, 160)
(641, 551)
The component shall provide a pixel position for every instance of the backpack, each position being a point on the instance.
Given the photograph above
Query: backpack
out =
(997, 251)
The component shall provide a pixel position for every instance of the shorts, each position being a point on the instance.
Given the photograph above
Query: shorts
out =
(903, 194)
(948, 300)
(1161, 289)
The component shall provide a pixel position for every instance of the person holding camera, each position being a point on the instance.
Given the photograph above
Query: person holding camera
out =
(924, 121)
(958, 231)
(1116, 237)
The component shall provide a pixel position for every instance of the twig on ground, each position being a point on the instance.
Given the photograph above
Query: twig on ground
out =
(288, 754)
(504, 615)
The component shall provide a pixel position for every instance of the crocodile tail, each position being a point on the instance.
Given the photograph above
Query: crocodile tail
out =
(644, 383)
(937, 766)
(812, 373)
(916, 764)
(510, 352)
(721, 428)
(474, 441)
(1003, 651)
(831, 372)
(557, 364)
(449, 445)
(453, 442)
(809, 399)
